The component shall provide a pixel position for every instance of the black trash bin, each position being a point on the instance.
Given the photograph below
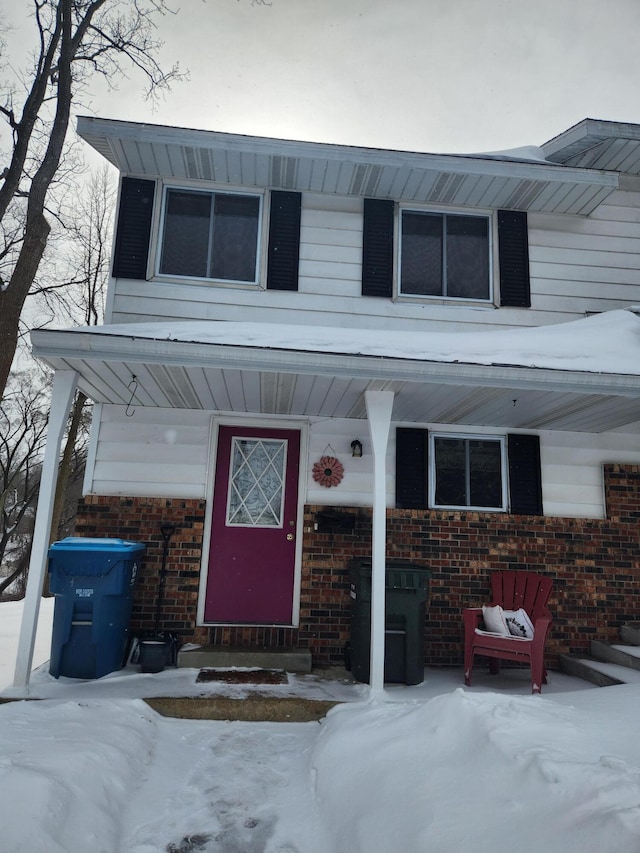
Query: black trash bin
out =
(406, 594)
(92, 581)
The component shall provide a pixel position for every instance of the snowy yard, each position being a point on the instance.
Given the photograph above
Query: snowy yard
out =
(436, 768)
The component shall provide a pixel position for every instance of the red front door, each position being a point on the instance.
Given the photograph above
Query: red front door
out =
(252, 554)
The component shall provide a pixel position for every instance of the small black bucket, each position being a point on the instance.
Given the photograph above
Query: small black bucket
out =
(153, 655)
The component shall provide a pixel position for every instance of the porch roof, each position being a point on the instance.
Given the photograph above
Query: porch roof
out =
(512, 180)
(582, 376)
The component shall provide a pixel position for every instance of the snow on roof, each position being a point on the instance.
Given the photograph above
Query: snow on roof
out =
(529, 153)
(602, 343)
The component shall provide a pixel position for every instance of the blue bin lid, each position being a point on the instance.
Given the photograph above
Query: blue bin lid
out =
(80, 543)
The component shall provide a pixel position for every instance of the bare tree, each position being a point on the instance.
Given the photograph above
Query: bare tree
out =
(75, 289)
(83, 295)
(76, 39)
(23, 424)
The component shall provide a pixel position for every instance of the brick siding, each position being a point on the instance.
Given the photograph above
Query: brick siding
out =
(595, 565)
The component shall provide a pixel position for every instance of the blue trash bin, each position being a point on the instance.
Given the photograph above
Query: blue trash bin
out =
(92, 581)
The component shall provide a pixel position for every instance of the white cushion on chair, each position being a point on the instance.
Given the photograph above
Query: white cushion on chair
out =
(519, 623)
(494, 620)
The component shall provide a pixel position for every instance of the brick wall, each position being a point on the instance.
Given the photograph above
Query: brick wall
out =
(595, 565)
(140, 520)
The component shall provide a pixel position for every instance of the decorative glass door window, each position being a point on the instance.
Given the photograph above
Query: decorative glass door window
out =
(256, 482)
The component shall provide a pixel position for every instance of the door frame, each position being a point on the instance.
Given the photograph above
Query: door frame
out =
(265, 422)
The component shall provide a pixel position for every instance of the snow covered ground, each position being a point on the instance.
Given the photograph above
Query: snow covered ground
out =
(436, 768)
(10, 616)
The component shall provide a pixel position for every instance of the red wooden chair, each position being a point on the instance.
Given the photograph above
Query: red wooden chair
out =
(512, 590)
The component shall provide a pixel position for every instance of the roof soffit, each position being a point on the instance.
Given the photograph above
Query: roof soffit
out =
(238, 380)
(481, 181)
(595, 144)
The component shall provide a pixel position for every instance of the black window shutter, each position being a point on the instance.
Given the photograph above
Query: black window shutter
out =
(131, 252)
(513, 241)
(525, 477)
(411, 468)
(284, 241)
(377, 248)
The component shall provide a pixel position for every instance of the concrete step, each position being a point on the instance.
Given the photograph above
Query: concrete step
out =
(223, 657)
(623, 655)
(609, 663)
(630, 633)
(589, 670)
(600, 673)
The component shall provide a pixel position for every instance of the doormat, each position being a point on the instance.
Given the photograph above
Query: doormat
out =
(253, 708)
(235, 676)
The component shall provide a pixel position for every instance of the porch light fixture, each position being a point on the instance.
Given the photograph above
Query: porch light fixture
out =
(356, 448)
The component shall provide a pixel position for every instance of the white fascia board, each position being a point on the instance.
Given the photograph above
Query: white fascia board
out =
(74, 347)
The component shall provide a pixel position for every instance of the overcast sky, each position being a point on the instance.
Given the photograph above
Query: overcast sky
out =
(423, 75)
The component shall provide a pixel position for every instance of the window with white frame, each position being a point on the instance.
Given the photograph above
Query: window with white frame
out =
(467, 472)
(211, 235)
(445, 255)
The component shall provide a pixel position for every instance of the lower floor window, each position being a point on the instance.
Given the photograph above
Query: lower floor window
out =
(467, 471)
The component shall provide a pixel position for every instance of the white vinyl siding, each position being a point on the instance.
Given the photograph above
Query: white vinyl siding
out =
(572, 478)
(577, 265)
(330, 247)
(164, 453)
(153, 453)
(591, 264)
(334, 438)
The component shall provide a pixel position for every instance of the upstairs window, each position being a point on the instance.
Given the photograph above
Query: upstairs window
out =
(210, 235)
(445, 255)
(468, 472)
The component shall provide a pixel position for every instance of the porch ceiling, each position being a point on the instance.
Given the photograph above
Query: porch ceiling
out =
(251, 379)
(502, 180)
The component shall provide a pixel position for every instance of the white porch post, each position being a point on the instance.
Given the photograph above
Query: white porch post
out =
(64, 386)
(379, 406)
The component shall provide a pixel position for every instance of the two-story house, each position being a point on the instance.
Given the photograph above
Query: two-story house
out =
(314, 353)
